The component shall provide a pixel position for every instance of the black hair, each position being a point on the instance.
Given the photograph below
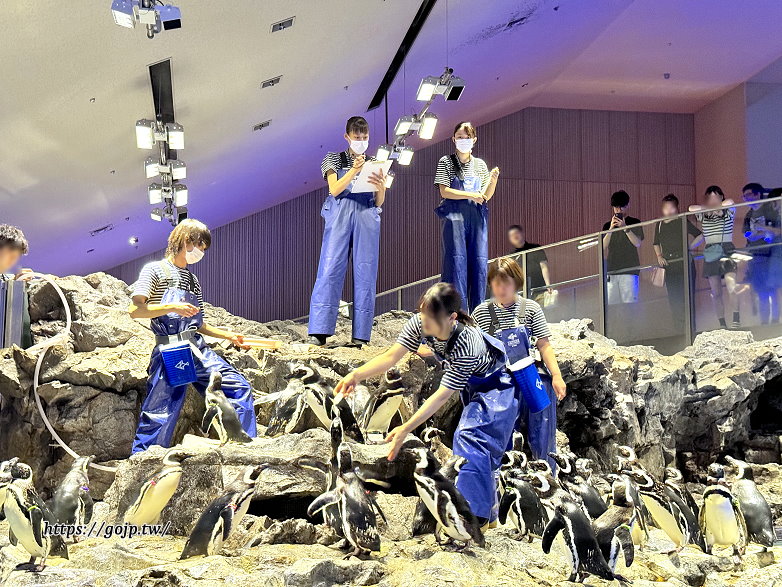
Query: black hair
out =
(515, 227)
(620, 199)
(755, 188)
(673, 199)
(469, 127)
(442, 299)
(356, 124)
(714, 189)
(775, 193)
(13, 238)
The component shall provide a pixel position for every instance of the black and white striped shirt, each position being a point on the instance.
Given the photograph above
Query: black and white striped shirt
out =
(469, 355)
(534, 319)
(153, 281)
(333, 162)
(446, 171)
(717, 225)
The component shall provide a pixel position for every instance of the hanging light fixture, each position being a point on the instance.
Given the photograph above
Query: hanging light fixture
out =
(151, 167)
(180, 195)
(428, 124)
(145, 133)
(384, 152)
(405, 155)
(155, 192)
(427, 88)
(175, 135)
(178, 169)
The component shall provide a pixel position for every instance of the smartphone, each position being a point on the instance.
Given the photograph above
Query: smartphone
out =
(620, 215)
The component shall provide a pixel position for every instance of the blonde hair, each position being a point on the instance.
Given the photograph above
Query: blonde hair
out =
(188, 232)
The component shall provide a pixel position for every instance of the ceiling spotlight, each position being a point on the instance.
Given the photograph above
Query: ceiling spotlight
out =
(405, 155)
(153, 14)
(145, 133)
(178, 169)
(175, 135)
(454, 88)
(427, 88)
(170, 16)
(180, 195)
(389, 178)
(155, 191)
(384, 152)
(156, 214)
(133, 241)
(123, 13)
(151, 167)
(428, 124)
(403, 125)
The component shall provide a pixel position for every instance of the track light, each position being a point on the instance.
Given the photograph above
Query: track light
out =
(151, 167)
(155, 192)
(454, 89)
(389, 178)
(403, 125)
(427, 88)
(180, 195)
(145, 133)
(175, 135)
(384, 152)
(156, 214)
(178, 169)
(155, 18)
(405, 155)
(428, 124)
(123, 13)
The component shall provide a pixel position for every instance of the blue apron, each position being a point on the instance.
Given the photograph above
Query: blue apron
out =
(352, 222)
(490, 409)
(465, 240)
(161, 407)
(541, 427)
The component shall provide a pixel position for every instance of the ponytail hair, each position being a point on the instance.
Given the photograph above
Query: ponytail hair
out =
(441, 300)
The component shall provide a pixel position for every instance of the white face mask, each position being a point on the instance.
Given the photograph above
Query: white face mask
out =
(194, 256)
(464, 145)
(359, 147)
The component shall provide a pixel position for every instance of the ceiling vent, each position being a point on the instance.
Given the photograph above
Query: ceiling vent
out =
(283, 24)
(271, 82)
(261, 125)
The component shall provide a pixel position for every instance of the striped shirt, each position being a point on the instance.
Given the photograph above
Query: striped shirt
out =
(534, 319)
(469, 355)
(153, 281)
(446, 171)
(333, 162)
(718, 225)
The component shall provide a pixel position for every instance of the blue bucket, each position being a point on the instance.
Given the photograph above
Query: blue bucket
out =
(525, 373)
(179, 363)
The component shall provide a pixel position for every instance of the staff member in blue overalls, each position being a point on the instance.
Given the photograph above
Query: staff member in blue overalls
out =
(465, 186)
(516, 322)
(474, 367)
(352, 222)
(169, 294)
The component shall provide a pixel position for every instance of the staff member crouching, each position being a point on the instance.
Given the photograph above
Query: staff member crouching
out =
(474, 367)
(169, 294)
(517, 322)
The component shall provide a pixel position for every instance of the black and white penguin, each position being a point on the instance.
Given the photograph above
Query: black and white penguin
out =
(757, 513)
(5, 480)
(317, 394)
(155, 492)
(383, 407)
(520, 503)
(721, 520)
(72, 502)
(674, 479)
(226, 511)
(572, 482)
(613, 528)
(678, 493)
(584, 468)
(356, 507)
(515, 458)
(27, 514)
(542, 480)
(586, 556)
(446, 504)
(626, 458)
(220, 416)
(423, 520)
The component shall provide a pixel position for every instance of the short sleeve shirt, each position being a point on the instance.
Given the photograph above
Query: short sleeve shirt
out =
(475, 167)
(153, 281)
(534, 318)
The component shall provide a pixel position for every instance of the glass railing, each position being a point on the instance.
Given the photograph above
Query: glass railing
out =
(633, 298)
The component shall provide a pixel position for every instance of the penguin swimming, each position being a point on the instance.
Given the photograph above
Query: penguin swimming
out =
(446, 504)
(586, 556)
(721, 520)
(613, 527)
(356, 507)
(156, 491)
(757, 513)
(72, 502)
(576, 485)
(225, 512)
(220, 415)
(520, 503)
(383, 406)
(27, 516)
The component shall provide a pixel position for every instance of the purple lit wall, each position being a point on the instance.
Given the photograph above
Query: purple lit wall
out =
(558, 167)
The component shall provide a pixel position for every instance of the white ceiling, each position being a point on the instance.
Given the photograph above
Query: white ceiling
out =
(68, 164)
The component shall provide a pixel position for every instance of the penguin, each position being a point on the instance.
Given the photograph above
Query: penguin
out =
(155, 492)
(586, 556)
(356, 507)
(383, 406)
(757, 513)
(576, 485)
(423, 520)
(520, 503)
(541, 478)
(515, 457)
(72, 502)
(5, 480)
(288, 410)
(27, 517)
(720, 518)
(584, 468)
(444, 501)
(220, 415)
(317, 395)
(674, 479)
(613, 527)
(225, 512)
(626, 457)
(670, 514)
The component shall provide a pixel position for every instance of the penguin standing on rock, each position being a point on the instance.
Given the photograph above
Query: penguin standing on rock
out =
(5, 480)
(521, 504)
(226, 511)
(220, 415)
(423, 520)
(570, 480)
(154, 493)
(446, 504)
(757, 513)
(72, 503)
(673, 478)
(721, 520)
(27, 517)
(383, 406)
(613, 527)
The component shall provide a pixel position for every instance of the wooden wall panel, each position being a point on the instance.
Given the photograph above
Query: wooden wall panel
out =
(559, 168)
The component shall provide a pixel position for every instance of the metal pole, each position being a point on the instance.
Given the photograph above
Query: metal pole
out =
(687, 301)
(601, 271)
(525, 289)
(399, 299)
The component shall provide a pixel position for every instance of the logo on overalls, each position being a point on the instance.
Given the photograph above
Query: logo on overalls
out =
(539, 384)
(181, 365)
(513, 340)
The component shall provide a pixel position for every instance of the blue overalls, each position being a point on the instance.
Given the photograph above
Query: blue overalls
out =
(489, 413)
(541, 427)
(161, 407)
(465, 240)
(352, 222)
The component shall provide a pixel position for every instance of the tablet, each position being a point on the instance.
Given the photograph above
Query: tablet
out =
(361, 183)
